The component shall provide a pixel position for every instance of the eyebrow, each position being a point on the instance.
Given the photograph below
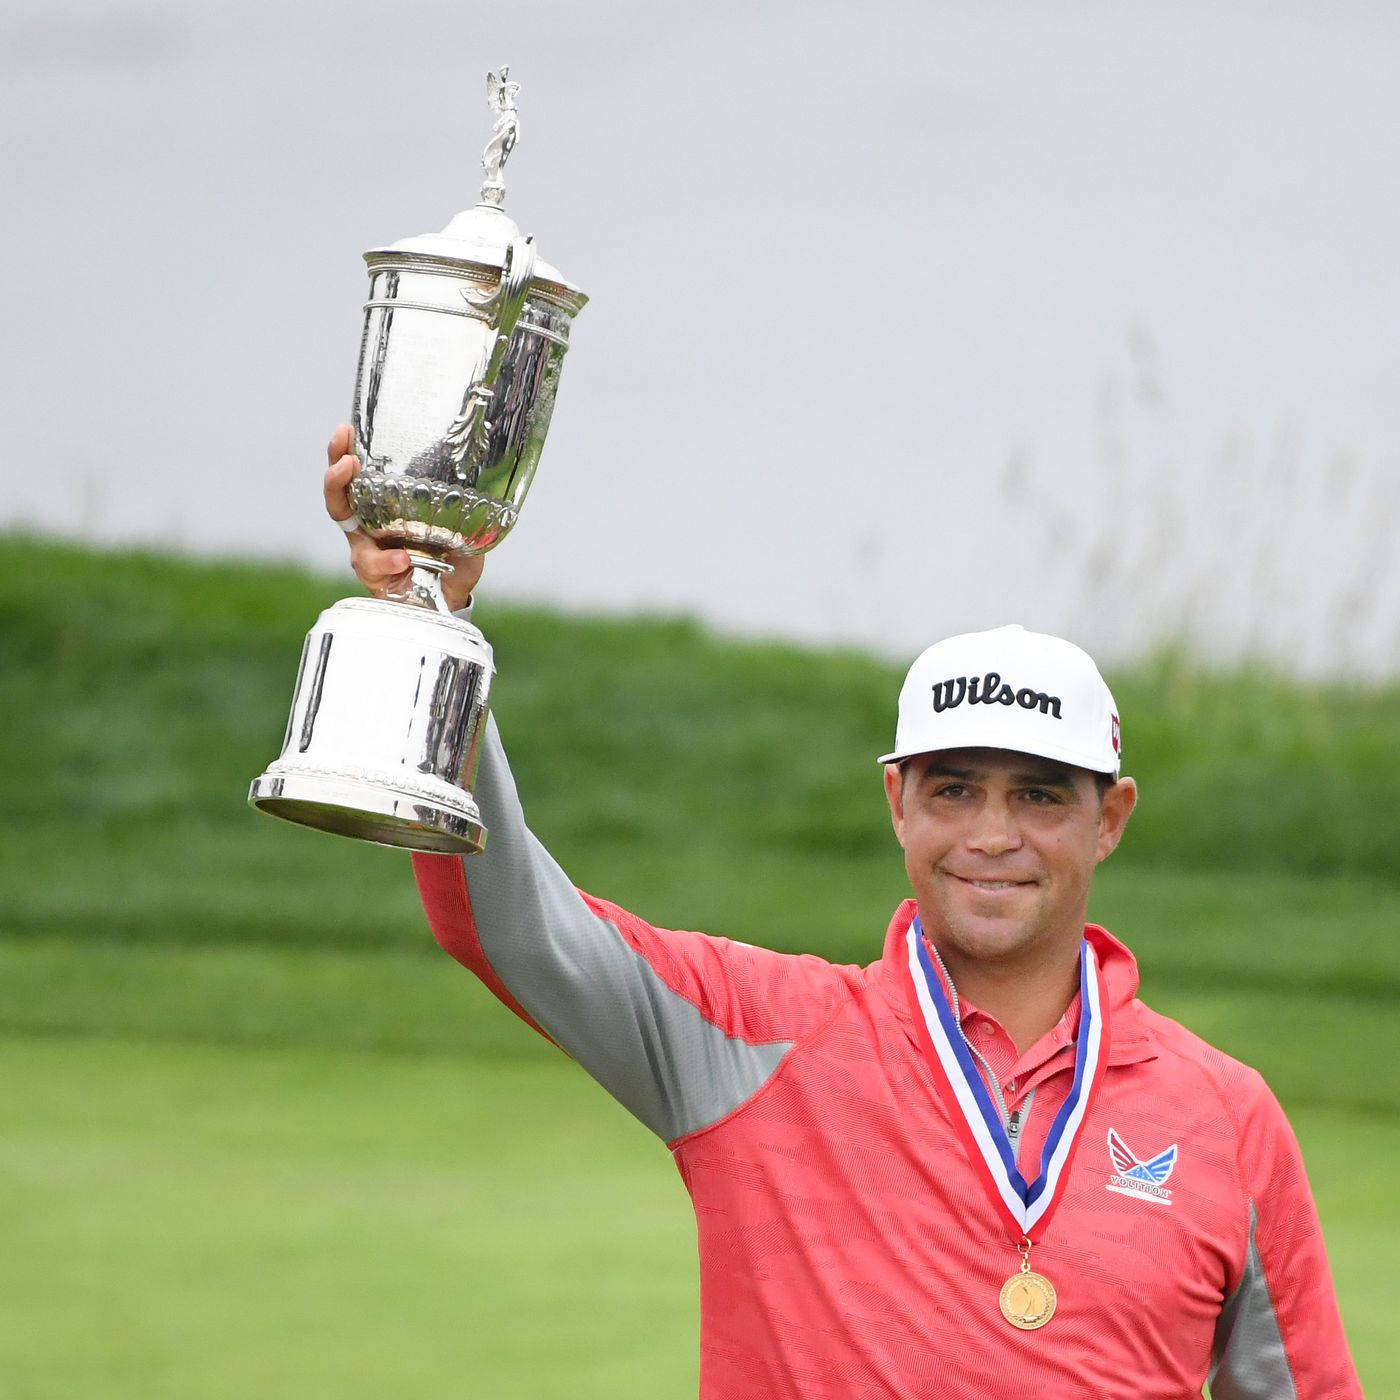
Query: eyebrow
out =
(1052, 775)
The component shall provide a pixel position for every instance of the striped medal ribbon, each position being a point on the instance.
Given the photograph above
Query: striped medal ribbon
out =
(1028, 1298)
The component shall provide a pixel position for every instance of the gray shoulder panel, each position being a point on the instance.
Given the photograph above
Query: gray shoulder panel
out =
(1249, 1360)
(589, 989)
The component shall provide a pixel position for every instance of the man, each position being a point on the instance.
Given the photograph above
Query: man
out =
(977, 1167)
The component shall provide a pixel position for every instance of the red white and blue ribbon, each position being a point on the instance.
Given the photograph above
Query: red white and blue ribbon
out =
(1026, 1206)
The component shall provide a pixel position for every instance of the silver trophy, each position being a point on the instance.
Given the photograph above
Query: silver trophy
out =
(465, 333)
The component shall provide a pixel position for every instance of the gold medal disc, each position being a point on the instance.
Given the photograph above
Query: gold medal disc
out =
(1028, 1300)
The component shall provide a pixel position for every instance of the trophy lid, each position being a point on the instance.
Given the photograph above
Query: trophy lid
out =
(480, 237)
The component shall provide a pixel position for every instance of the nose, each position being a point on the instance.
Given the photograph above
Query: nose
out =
(994, 832)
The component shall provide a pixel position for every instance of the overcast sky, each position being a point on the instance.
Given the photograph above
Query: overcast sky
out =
(905, 318)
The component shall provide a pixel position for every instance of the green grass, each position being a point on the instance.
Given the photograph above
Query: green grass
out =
(258, 1137)
(255, 995)
(207, 1222)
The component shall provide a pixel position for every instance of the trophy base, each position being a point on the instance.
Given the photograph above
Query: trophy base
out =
(386, 725)
(364, 811)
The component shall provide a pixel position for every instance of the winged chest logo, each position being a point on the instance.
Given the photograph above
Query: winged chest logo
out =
(1134, 1177)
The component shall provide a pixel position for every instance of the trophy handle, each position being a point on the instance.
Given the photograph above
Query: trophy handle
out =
(469, 437)
(515, 281)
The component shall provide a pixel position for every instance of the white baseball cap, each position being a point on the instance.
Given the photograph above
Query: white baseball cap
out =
(1009, 689)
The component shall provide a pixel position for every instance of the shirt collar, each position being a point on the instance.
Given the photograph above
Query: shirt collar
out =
(1131, 1038)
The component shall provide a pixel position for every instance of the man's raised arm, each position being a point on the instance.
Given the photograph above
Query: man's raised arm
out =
(681, 1028)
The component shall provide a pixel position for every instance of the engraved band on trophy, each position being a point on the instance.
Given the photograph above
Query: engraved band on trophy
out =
(464, 337)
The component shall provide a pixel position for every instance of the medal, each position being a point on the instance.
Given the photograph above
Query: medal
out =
(1027, 1298)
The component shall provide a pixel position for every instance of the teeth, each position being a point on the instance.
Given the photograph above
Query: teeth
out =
(994, 884)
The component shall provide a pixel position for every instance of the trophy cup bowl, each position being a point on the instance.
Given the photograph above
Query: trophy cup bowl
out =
(464, 335)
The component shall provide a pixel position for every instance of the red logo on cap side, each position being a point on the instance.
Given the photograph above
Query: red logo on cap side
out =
(1117, 736)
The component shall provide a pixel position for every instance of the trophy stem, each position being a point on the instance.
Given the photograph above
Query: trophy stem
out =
(423, 588)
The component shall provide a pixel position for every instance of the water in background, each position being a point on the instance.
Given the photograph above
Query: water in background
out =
(905, 319)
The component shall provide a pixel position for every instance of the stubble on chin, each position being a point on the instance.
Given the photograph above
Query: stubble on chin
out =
(987, 942)
(959, 930)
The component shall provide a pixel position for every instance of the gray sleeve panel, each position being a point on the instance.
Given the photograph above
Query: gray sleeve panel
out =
(1249, 1360)
(597, 998)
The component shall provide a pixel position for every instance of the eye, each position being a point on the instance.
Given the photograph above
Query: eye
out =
(1042, 797)
(951, 790)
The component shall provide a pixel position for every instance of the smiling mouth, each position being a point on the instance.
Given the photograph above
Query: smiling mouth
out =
(993, 886)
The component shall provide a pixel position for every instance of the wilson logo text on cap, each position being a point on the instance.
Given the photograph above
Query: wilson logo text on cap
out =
(989, 690)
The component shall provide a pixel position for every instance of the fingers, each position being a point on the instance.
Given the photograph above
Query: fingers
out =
(337, 486)
(457, 587)
(342, 440)
(380, 570)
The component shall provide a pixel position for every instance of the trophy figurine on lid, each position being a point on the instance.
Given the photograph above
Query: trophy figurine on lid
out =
(464, 337)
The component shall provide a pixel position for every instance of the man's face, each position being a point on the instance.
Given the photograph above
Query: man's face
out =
(1000, 848)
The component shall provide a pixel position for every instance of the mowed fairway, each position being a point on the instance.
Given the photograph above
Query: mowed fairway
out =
(202, 1221)
(207, 1221)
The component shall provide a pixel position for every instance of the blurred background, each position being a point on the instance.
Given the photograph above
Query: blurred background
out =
(904, 320)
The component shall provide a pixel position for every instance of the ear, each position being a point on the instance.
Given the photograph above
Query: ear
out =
(894, 791)
(1118, 804)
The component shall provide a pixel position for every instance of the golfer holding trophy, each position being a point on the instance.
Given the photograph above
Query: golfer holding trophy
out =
(978, 1166)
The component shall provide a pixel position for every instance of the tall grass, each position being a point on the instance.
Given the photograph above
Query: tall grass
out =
(1264, 545)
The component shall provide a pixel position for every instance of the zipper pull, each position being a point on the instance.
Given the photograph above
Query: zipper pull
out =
(1013, 1127)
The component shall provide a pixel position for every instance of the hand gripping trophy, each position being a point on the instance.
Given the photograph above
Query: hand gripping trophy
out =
(465, 333)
